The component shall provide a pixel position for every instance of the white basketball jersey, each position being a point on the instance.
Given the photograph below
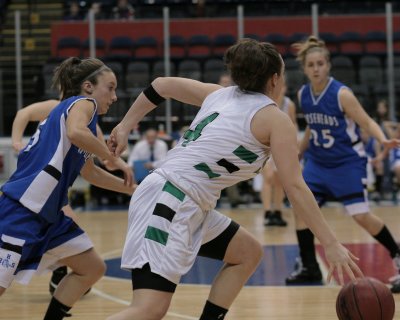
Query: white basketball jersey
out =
(219, 149)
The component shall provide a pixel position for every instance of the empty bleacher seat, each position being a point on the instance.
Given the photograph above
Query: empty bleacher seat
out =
(199, 47)
(351, 43)
(279, 41)
(375, 43)
(190, 68)
(177, 47)
(100, 46)
(121, 48)
(68, 47)
(222, 42)
(212, 70)
(158, 69)
(137, 77)
(343, 69)
(146, 48)
(370, 71)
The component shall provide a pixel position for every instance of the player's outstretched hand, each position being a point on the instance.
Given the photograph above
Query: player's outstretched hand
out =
(118, 140)
(387, 146)
(340, 259)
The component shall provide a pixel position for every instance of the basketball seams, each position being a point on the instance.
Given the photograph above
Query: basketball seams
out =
(377, 297)
(355, 299)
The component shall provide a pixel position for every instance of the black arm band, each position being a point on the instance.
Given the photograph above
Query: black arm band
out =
(153, 95)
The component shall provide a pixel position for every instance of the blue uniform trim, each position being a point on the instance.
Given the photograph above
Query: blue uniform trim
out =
(49, 164)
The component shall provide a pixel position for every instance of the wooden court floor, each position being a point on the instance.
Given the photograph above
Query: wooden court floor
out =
(109, 295)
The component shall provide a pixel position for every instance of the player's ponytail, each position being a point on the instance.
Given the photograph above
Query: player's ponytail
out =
(311, 44)
(72, 72)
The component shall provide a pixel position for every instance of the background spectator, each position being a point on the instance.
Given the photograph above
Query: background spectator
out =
(147, 154)
(123, 11)
(74, 12)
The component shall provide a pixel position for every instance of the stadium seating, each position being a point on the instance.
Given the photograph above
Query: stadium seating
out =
(343, 69)
(68, 47)
(199, 47)
(101, 48)
(137, 77)
(190, 68)
(351, 43)
(370, 71)
(375, 43)
(220, 43)
(146, 48)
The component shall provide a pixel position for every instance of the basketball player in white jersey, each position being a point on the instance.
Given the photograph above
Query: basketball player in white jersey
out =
(35, 234)
(172, 217)
(272, 193)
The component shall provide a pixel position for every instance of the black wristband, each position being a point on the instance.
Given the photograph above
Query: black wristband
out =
(153, 95)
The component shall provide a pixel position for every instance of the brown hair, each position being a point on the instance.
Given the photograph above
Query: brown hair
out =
(72, 72)
(252, 63)
(311, 44)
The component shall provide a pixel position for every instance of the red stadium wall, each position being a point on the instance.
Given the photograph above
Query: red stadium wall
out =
(212, 27)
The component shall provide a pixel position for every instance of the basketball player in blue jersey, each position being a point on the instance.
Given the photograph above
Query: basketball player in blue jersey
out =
(172, 216)
(37, 112)
(336, 161)
(35, 235)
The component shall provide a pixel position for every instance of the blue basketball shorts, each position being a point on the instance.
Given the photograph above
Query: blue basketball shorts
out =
(345, 183)
(30, 245)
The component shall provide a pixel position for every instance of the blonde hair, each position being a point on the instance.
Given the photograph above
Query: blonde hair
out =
(311, 44)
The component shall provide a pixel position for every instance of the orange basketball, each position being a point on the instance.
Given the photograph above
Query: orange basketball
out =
(366, 299)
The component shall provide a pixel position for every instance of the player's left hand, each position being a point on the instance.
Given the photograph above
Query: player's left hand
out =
(340, 259)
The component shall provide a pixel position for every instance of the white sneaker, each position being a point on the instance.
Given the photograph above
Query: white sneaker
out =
(396, 262)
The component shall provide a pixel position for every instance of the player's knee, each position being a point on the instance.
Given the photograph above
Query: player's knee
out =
(99, 270)
(362, 219)
(252, 253)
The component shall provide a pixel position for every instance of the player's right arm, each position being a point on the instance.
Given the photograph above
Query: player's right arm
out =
(34, 112)
(103, 179)
(181, 89)
(275, 129)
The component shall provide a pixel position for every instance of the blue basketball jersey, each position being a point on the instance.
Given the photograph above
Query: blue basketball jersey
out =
(370, 147)
(335, 138)
(394, 156)
(49, 164)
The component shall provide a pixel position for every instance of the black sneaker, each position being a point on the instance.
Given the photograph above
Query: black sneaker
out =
(267, 216)
(305, 275)
(56, 278)
(395, 286)
(275, 219)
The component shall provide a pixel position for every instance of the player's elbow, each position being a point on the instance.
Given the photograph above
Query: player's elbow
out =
(160, 84)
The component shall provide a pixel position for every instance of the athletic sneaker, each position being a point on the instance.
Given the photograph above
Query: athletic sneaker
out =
(267, 216)
(395, 281)
(305, 275)
(275, 219)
